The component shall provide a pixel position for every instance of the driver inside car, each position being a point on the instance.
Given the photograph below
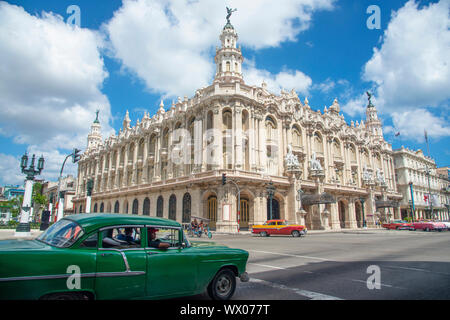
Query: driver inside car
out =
(154, 242)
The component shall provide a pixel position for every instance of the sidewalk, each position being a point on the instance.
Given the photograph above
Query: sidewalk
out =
(7, 234)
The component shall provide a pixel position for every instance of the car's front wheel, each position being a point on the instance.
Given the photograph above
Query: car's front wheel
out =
(295, 233)
(263, 234)
(223, 285)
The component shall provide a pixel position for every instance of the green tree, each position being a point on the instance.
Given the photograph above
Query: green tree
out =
(39, 200)
(16, 206)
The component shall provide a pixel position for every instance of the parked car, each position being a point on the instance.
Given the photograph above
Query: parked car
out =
(117, 256)
(447, 225)
(398, 225)
(279, 227)
(428, 226)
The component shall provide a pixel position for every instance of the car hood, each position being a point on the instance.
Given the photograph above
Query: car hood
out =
(18, 244)
(208, 244)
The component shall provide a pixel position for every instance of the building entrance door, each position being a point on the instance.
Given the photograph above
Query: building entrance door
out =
(244, 216)
(275, 209)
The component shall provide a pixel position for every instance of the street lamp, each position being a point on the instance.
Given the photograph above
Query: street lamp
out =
(270, 192)
(362, 200)
(23, 229)
(413, 209)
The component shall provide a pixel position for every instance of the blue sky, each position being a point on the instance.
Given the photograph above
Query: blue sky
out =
(130, 55)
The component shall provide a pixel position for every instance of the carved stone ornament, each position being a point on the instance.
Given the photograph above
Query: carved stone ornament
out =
(291, 162)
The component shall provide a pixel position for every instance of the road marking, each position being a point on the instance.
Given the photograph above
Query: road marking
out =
(383, 285)
(266, 266)
(417, 269)
(291, 255)
(278, 268)
(309, 294)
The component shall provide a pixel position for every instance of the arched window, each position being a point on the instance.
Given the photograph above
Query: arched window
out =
(146, 208)
(271, 127)
(296, 137)
(318, 145)
(336, 148)
(135, 206)
(102, 207)
(186, 208)
(95, 208)
(159, 207)
(173, 207)
(116, 207)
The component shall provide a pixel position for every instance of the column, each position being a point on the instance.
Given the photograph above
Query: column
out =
(262, 144)
(198, 143)
(125, 167)
(218, 147)
(145, 161)
(352, 214)
(335, 224)
(252, 149)
(237, 138)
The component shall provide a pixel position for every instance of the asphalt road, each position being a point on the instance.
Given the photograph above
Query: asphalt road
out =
(366, 265)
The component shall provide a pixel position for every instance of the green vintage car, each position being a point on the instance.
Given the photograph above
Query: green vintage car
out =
(117, 256)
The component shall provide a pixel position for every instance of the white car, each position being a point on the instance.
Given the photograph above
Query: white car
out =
(447, 224)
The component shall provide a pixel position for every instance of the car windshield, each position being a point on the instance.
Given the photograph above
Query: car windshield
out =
(62, 234)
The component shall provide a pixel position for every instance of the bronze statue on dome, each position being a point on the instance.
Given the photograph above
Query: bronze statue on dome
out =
(229, 12)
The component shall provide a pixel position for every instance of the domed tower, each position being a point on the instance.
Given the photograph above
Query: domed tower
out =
(229, 57)
(372, 122)
(95, 137)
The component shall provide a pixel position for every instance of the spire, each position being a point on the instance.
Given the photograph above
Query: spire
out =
(126, 121)
(372, 121)
(229, 57)
(95, 136)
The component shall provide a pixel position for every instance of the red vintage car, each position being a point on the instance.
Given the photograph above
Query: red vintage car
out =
(279, 227)
(398, 225)
(428, 226)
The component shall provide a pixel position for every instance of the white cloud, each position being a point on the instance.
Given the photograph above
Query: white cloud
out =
(165, 43)
(410, 73)
(412, 124)
(286, 79)
(10, 170)
(50, 80)
(412, 67)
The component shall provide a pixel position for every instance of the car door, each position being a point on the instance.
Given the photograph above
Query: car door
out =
(172, 271)
(121, 266)
(282, 228)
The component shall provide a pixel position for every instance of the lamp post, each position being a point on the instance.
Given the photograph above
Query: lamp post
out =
(60, 194)
(23, 229)
(270, 192)
(412, 200)
(362, 200)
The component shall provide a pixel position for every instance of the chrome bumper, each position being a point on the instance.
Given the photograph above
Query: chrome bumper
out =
(244, 277)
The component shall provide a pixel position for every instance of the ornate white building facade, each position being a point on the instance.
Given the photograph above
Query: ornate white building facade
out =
(418, 174)
(171, 164)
